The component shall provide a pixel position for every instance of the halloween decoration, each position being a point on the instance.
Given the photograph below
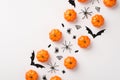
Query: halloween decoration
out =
(53, 67)
(56, 50)
(78, 27)
(70, 15)
(59, 57)
(33, 63)
(72, 2)
(74, 37)
(55, 78)
(69, 31)
(83, 41)
(42, 55)
(97, 20)
(94, 35)
(93, 1)
(82, 1)
(49, 45)
(44, 77)
(109, 3)
(55, 35)
(63, 71)
(76, 51)
(97, 8)
(63, 25)
(70, 62)
(31, 75)
(86, 13)
(67, 46)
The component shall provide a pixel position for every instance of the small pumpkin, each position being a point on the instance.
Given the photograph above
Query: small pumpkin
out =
(42, 55)
(109, 3)
(70, 15)
(82, 1)
(31, 75)
(70, 62)
(55, 78)
(55, 35)
(83, 41)
(97, 20)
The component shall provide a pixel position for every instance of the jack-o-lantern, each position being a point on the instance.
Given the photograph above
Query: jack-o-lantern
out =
(82, 1)
(55, 78)
(55, 35)
(31, 75)
(70, 15)
(109, 3)
(70, 62)
(83, 41)
(97, 20)
(42, 55)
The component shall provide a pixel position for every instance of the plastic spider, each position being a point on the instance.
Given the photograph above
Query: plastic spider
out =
(67, 46)
(86, 13)
(53, 67)
(94, 1)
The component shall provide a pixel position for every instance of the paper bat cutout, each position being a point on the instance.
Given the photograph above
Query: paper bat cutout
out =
(33, 63)
(72, 2)
(94, 35)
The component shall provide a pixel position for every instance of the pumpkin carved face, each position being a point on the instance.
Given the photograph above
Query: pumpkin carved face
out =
(31, 75)
(70, 15)
(42, 55)
(70, 62)
(82, 1)
(55, 35)
(109, 3)
(97, 20)
(55, 78)
(83, 41)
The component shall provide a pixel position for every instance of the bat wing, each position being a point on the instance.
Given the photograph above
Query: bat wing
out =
(32, 58)
(100, 32)
(90, 32)
(39, 66)
(72, 2)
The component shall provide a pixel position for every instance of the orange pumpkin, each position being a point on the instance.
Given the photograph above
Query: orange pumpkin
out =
(70, 62)
(97, 20)
(55, 35)
(55, 78)
(31, 75)
(109, 3)
(70, 15)
(82, 1)
(42, 55)
(83, 41)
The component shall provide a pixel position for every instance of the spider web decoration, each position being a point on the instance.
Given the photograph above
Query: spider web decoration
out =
(86, 13)
(53, 67)
(67, 46)
(93, 1)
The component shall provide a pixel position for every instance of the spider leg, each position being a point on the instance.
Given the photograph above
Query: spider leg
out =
(83, 17)
(50, 63)
(89, 13)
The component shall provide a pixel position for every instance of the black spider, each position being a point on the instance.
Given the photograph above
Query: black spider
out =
(94, 1)
(53, 67)
(85, 13)
(67, 46)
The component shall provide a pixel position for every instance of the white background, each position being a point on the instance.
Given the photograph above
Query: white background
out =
(24, 27)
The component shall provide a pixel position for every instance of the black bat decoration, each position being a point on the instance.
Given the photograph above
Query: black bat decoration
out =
(33, 63)
(72, 2)
(94, 35)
